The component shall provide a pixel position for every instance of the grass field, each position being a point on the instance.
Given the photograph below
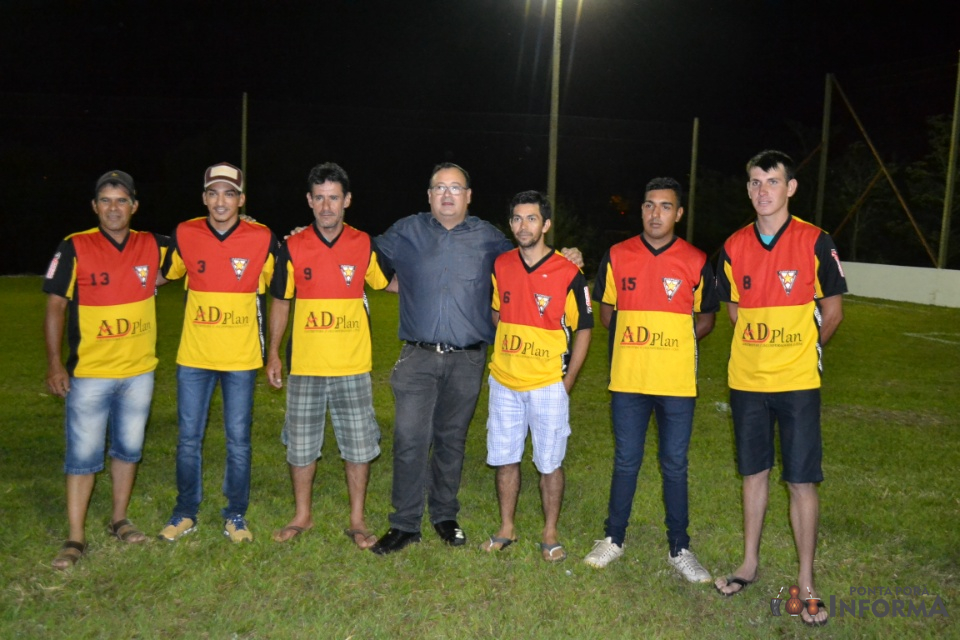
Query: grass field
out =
(889, 518)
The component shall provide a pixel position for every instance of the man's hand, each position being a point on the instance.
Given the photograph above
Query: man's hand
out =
(394, 286)
(58, 380)
(573, 255)
(295, 232)
(274, 375)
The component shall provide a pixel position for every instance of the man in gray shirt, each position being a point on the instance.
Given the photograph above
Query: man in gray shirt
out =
(443, 260)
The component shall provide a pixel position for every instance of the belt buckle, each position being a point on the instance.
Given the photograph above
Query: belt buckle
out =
(440, 348)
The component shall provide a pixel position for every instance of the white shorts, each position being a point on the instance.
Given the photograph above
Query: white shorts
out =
(546, 411)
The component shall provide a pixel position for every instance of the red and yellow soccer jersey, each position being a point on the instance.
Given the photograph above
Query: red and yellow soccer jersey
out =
(330, 335)
(776, 341)
(112, 326)
(655, 294)
(540, 308)
(227, 280)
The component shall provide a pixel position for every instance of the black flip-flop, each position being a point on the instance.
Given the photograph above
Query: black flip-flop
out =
(736, 580)
(503, 542)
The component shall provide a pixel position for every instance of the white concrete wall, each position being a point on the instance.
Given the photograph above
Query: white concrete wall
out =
(939, 287)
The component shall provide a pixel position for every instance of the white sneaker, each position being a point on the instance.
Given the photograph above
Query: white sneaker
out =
(604, 552)
(689, 567)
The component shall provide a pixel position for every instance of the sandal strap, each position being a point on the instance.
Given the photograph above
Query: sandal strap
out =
(124, 529)
(73, 544)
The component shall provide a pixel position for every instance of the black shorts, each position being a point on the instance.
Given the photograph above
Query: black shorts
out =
(801, 447)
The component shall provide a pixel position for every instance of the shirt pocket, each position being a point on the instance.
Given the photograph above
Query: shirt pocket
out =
(469, 264)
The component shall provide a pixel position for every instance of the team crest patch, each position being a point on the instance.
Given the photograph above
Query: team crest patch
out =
(833, 254)
(542, 302)
(787, 278)
(670, 287)
(52, 269)
(348, 270)
(142, 271)
(239, 266)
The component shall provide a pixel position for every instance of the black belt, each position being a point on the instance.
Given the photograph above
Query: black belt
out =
(442, 347)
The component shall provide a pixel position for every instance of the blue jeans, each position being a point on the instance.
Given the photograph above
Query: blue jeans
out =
(435, 395)
(93, 404)
(631, 415)
(194, 389)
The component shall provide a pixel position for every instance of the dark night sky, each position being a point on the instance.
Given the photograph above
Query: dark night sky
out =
(745, 66)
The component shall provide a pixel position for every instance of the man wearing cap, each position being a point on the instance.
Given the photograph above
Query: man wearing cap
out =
(330, 354)
(106, 279)
(228, 263)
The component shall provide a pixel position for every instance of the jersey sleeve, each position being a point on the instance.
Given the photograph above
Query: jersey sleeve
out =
(495, 303)
(578, 307)
(61, 275)
(269, 265)
(726, 289)
(830, 278)
(163, 243)
(380, 271)
(604, 281)
(706, 298)
(282, 285)
(173, 267)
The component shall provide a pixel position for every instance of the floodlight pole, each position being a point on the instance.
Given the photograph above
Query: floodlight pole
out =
(554, 119)
(244, 121)
(692, 191)
(824, 147)
(951, 179)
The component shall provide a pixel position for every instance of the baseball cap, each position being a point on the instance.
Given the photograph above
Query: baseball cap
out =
(224, 172)
(121, 178)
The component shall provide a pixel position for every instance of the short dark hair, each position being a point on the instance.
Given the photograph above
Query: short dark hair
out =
(328, 172)
(531, 197)
(449, 165)
(768, 159)
(664, 183)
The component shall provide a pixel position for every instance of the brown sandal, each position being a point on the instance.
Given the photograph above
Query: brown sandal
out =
(124, 531)
(70, 553)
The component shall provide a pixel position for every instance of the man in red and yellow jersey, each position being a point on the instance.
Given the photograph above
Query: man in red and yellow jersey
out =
(658, 297)
(323, 269)
(228, 263)
(106, 278)
(783, 283)
(541, 306)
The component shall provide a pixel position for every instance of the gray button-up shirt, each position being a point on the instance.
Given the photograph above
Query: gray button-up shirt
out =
(444, 277)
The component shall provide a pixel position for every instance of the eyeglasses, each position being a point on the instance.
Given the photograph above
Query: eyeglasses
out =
(454, 189)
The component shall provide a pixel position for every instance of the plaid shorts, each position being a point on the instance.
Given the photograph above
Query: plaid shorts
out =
(350, 399)
(545, 410)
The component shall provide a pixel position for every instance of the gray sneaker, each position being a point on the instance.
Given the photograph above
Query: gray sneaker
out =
(689, 567)
(604, 552)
